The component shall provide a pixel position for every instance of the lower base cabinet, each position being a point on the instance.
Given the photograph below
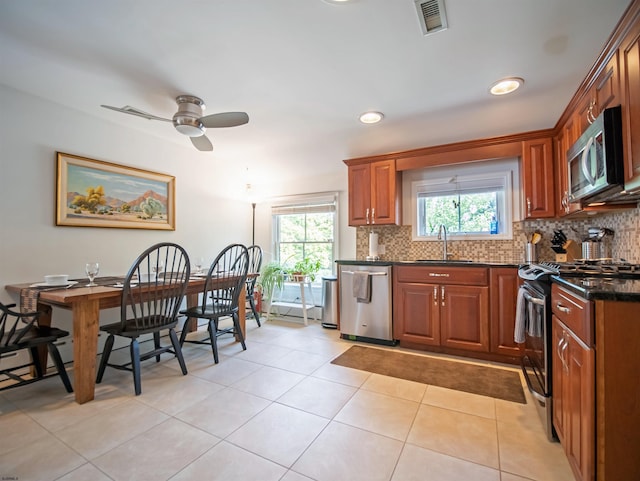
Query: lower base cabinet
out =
(503, 292)
(437, 307)
(574, 399)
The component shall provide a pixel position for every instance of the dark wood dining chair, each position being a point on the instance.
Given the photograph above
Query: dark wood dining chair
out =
(225, 279)
(20, 331)
(152, 293)
(255, 263)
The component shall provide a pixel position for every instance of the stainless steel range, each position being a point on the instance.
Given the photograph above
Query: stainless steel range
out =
(533, 318)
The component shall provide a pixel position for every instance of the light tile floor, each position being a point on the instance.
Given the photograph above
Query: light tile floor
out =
(278, 411)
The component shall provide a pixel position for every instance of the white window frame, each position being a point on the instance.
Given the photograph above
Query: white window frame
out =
(502, 174)
(307, 203)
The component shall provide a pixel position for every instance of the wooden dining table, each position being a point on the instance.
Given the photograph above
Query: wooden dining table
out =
(85, 304)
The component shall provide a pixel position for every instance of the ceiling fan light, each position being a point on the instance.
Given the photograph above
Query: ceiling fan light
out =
(506, 86)
(188, 126)
(190, 130)
(371, 117)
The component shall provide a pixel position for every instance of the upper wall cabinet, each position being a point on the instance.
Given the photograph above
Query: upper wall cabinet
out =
(538, 179)
(630, 53)
(374, 193)
(565, 138)
(604, 93)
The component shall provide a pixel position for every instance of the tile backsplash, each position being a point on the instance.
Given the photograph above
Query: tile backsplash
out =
(399, 246)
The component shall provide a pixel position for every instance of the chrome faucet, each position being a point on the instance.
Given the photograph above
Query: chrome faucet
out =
(444, 244)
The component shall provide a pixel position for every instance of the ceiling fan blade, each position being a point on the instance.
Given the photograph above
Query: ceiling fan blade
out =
(127, 109)
(202, 143)
(224, 119)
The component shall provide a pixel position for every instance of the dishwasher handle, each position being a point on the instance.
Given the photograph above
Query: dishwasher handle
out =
(366, 272)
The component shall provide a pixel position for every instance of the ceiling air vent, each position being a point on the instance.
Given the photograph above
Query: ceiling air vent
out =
(431, 15)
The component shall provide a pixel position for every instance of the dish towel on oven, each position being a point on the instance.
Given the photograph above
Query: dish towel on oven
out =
(521, 317)
(534, 328)
(362, 286)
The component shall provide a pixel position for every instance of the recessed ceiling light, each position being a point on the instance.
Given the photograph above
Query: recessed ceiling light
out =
(337, 1)
(506, 86)
(371, 117)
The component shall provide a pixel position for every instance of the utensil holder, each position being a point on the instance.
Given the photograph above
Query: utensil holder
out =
(530, 253)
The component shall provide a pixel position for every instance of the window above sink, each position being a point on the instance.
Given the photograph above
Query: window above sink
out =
(474, 201)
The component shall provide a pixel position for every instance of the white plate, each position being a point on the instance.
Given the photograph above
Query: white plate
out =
(120, 284)
(46, 284)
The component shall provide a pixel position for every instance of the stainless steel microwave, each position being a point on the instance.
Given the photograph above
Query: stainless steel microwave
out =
(595, 162)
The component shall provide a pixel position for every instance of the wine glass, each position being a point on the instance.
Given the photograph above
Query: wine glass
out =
(92, 269)
(157, 270)
(199, 264)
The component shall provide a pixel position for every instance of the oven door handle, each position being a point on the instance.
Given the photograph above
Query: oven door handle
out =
(533, 300)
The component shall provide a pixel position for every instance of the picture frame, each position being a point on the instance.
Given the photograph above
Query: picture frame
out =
(94, 193)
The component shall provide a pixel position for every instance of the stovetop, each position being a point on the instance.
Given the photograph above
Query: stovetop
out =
(584, 269)
(590, 279)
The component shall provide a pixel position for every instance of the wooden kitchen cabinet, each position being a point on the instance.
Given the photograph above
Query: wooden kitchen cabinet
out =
(464, 317)
(573, 380)
(374, 193)
(604, 93)
(503, 292)
(416, 316)
(565, 139)
(442, 306)
(538, 178)
(630, 60)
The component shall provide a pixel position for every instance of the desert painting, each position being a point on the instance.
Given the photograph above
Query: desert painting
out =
(99, 194)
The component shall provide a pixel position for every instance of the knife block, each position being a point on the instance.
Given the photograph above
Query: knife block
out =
(572, 252)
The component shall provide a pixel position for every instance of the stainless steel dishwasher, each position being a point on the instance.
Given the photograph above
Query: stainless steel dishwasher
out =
(366, 321)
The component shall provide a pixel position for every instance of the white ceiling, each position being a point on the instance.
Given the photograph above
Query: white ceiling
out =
(305, 69)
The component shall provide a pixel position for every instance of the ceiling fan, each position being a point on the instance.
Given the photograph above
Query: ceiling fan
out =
(188, 120)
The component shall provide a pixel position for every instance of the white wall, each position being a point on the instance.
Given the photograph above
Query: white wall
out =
(211, 205)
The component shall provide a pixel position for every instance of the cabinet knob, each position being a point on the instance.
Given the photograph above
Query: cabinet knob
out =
(562, 308)
(367, 215)
(373, 215)
(435, 295)
(528, 207)
(442, 294)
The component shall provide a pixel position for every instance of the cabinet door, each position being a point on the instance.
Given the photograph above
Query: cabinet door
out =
(416, 313)
(607, 86)
(574, 399)
(359, 194)
(581, 413)
(604, 93)
(504, 293)
(558, 380)
(384, 207)
(563, 142)
(630, 52)
(465, 317)
(538, 179)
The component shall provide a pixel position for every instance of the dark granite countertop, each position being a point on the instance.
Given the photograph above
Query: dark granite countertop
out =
(430, 262)
(602, 288)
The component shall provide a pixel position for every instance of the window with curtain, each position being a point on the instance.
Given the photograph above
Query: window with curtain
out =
(305, 227)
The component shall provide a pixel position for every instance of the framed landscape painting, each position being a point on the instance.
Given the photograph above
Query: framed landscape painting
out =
(92, 193)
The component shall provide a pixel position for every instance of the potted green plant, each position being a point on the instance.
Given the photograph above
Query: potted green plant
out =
(271, 276)
(306, 268)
